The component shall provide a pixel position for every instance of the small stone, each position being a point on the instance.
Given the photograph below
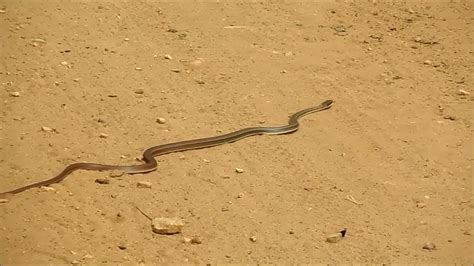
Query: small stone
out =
(139, 91)
(2, 11)
(225, 209)
(15, 94)
(143, 184)
(38, 40)
(167, 226)
(253, 239)
(240, 195)
(64, 63)
(122, 246)
(47, 129)
(420, 205)
(462, 92)
(103, 135)
(175, 70)
(126, 39)
(334, 238)
(427, 62)
(429, 246)
(196, 240)
(289, 53)
(88, 256)
(239, 170)
(116, 173)
(102, 181)
(160, 120)
(56, 83)
(3, 200)
(196, 63)
(45, 188)
(138, 69)
(187, 240)
(76, 79)
(75, 262)
(167, 57)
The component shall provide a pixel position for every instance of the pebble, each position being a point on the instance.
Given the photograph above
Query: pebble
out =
(429, 246)
(15, 94)
(168, 57)
(334, 238)
(167, 226)
(44, 188)
(420, 205)
(103, 135)
(143, 184)
(160, 120)
(240, 195)
(2, 11)
(196, 63)
(102, 181)
(253, 239)
(139, 91)
(3, 200)
(116, 173)
(76, 79)
(122, 246)
(462, 92)
(75, 262)
(138, 69)
(196, 240)
(64, 63)
(239, 170)
(427, 62)
(126, 39)
(175, 70)
(47, 129)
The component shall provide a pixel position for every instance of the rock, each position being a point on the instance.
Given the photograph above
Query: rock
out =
(122, 246)
(160, 120)
(253, 239)
(139, 91)
(462, 92)
(138, 69)
(4, 200)
(429, 246)
(64, 63)
(240, 195)
(167, 226)
(47, 129)
(334, 238)
(427, 62)
(103, 135)
(175, 70)
(143, 184)
(167, 57)
(196, 240)
(2, 11)
(421, 205)
(126, 39)
(102, 181)
(196, 63)
(76, 79)
(239, 170)
(116, 173)
(14, 94)
(75, 262)
(44, 188)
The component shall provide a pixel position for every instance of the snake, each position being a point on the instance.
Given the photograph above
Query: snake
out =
(150, 164)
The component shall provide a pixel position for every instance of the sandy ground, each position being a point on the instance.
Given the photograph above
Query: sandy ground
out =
(398, 140)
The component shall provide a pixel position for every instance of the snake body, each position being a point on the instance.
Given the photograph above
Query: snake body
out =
(149, 155)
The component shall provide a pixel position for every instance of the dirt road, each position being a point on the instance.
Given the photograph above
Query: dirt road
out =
(391, 161)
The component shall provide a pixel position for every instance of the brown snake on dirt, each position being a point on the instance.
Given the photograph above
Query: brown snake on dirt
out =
(149, 155)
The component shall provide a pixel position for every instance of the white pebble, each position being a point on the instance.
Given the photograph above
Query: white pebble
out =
(160, 120)
(44, 188)
(47, 129)
(15, 94)
(103, 135)
(463, 92)
(168, 57)
(239, 170)
(167, 226)
(427, 62)
(138, 69)
(334, 238)
(143, 184)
